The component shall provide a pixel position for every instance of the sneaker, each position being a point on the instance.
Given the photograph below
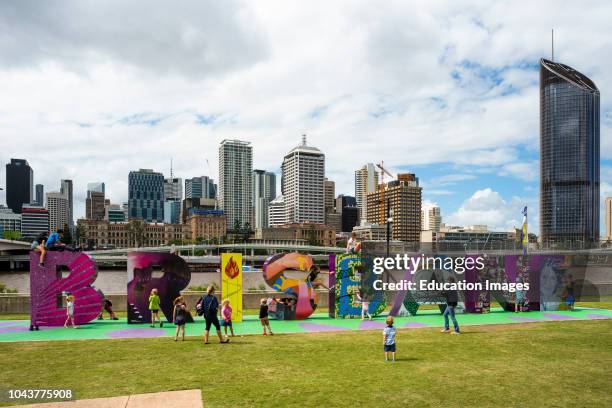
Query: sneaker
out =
(161, 324)
(41, 264)
(224, 341)
(265, 334)
(271, 334)
(152, 325)
(455, 332)
(445, 331)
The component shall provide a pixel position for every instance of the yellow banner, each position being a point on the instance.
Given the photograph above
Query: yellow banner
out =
(231, 283)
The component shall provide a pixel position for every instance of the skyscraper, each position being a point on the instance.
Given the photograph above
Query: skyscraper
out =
(66, 189)
(264, 191)
(97, 186)
(569, 156)
(173, 189)
(19, 183)
(146, 195)
(59, 210)
(40, 195)
(235, 181)
(366, 182)
(95, 206)
(277, 214)
(404, 197)
(200, 187)
(330, 194)
(431, 218)
(302, 184)
(34, 221)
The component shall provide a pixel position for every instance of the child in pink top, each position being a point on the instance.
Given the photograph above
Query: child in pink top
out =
(226, 315)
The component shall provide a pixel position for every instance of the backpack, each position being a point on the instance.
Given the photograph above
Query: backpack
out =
(200, 306)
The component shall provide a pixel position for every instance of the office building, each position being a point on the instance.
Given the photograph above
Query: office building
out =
(404, 198)
(207, 226)
(235, 182)
(34, 221)
(193, 205)
(431, 218)
(569, 156)
(114, 213)
(200, 187)
(304, 233)
(9, 221)
(264, 191)
(277, 214)
(172, 212)
(146, 195)
(97, 186)
(95, 205)
(371, 232)
(66, 189)
(19, 183)
(330, 194)
(346, 206)
(39, 198)
(302, 184)
(59, 211)
(366, 182)
(173, 189)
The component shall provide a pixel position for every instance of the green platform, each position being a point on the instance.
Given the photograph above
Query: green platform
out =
(17, 330)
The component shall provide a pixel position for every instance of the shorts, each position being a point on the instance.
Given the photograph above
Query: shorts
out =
(180, 321)
(264, 320)
(226, 323)
(154, 311)
(390, 348)
(212, 321)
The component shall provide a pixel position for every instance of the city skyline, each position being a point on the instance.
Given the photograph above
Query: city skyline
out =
(456, 104)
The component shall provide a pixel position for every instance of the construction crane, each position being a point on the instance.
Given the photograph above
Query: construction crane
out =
(383, 171)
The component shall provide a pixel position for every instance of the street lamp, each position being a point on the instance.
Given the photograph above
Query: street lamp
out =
(389, 221)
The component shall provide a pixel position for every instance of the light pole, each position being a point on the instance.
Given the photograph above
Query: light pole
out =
(389, 221)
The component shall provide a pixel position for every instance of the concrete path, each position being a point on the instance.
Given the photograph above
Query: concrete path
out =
(183, 399)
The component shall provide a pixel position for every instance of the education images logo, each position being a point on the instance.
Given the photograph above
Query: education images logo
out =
(457, 264)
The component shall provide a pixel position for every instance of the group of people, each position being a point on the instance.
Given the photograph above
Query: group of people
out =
(45, 242)
(208, 307)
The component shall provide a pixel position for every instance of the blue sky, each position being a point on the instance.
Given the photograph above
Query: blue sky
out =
(448, 90)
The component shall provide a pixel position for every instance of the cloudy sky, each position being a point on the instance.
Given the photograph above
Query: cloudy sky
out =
(90, 90)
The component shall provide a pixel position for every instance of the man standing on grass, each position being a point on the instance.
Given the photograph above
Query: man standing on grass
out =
(210, 305)
(452, 298)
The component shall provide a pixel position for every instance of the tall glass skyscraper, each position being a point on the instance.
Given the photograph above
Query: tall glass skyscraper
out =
(264, 191)
(19, 183)
(569, 156)
(146, 195)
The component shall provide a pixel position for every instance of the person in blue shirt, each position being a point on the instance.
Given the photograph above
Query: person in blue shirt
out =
(54, 241)
(389, 339)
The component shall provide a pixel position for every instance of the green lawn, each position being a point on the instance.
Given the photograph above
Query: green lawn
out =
(561, 364)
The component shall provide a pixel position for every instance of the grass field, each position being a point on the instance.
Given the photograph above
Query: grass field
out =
(561, 364)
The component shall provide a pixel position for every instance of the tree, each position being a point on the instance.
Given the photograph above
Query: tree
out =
(80, 234)
(67, 239)
(237, 227)
(312, 239)
(136, 231)
(12, 235)
(246, 232)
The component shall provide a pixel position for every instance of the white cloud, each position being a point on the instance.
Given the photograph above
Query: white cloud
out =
(490, 208)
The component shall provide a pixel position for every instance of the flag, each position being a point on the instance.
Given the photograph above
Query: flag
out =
(524, 232)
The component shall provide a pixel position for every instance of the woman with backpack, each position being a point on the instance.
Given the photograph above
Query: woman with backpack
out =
(208, 306)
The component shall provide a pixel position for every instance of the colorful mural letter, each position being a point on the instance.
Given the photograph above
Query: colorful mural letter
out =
(47, 287)
(354, 285)
(302, 291)
(140, 268)
(231, 283)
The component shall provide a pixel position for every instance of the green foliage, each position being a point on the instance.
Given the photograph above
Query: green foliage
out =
(4, 289)
(262, 286)
(67, 239)
(12, 235)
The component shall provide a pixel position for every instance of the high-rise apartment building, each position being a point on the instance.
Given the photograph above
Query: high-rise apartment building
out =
(39, 198)
(95, 205)
(431, 218)
(277, 214)
(404, 197)
(200, 187)
(19, 183)
(146, 195)
(264, 191)
(302, 184)
(330, 194)
(569, 156)
(235, 182)
(34, 221)
(366, 182)
(59, 210)
(66, 189)
(608, 218)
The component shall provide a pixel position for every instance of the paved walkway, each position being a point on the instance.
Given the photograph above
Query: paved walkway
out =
(183, 399)
(17, 330)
